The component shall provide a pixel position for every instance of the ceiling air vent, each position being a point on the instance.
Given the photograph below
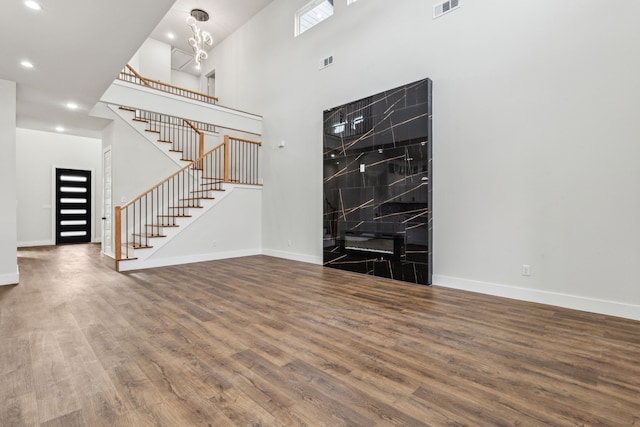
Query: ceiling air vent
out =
(445, 7)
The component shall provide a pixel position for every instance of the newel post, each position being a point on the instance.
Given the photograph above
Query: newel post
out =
(227, 154)
(201, 147)
(118, 235)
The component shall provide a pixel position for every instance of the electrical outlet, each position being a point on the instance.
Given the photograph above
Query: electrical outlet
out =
(288, 242)
(526, 270)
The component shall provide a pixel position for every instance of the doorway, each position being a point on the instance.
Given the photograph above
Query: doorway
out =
(73, 206)
(106, 202)
(211, 83)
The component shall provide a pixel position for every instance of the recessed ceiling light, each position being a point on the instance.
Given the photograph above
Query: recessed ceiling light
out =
(26, 64)
(171, 36)
(59, 128)
(33, 5)
(72, 105)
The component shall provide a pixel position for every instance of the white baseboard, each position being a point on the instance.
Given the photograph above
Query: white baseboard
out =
(10, 279)
(576, 302)
(189, 259)
(33, 243)
(293, 256)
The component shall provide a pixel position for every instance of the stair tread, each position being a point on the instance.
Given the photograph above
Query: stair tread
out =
(137, 119)
(165, 141)
(138, 245)
(200, 198)
(148, 235)
(127, 108)
(161, 225)
(128, 259)
(174, 216)
(152, 131)
(185, 207)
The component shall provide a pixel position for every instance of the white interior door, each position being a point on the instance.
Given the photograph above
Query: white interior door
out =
(211, 84)
(107, 248)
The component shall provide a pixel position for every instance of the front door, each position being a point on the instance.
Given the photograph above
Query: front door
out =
(73, 206)
(106, 202)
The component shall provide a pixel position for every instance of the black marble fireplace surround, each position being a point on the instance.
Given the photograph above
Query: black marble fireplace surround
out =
(377, 184)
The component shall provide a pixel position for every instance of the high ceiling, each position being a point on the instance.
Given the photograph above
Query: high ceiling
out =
(78, 47)
(225, 16)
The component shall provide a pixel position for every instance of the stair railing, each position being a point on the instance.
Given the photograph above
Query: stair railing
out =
(143, 218)
(128, 74)
(183, 134)
(242, 160)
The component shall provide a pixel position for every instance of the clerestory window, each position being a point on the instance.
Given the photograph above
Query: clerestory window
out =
(312, 14)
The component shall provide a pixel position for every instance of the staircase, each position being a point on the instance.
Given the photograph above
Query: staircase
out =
(152, 219)
(180, 139)
(149, 222)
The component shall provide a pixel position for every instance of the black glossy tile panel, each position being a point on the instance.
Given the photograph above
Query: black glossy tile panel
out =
(377, 184)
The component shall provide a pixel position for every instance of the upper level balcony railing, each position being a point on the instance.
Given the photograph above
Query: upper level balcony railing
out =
(128, 74)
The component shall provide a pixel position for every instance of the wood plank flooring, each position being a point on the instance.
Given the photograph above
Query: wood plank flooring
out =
(261, 341)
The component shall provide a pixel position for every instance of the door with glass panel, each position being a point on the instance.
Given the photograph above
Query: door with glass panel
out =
(106, 202)
(73, 206)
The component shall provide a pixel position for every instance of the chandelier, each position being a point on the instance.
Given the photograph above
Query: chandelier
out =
(200, 38)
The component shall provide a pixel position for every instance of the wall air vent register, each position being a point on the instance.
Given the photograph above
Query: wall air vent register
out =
(445, 7)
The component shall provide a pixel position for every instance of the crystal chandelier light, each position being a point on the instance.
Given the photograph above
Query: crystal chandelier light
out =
(200, 38)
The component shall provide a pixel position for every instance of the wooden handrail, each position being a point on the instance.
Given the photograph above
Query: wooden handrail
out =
(183, 89)
(147, 82)
(246, 140)
(169, 178)
(191, 125)
(155, 186)
(135, 73)
(200, 139)
(214, 168)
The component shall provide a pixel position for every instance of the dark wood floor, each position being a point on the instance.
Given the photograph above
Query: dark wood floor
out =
(265, 342)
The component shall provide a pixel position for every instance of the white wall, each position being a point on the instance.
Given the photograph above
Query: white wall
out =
(8, 239)
(185, 80)
(232, 228)
(136, 164)
(38, 154)
(536, 130)
(154, 60)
